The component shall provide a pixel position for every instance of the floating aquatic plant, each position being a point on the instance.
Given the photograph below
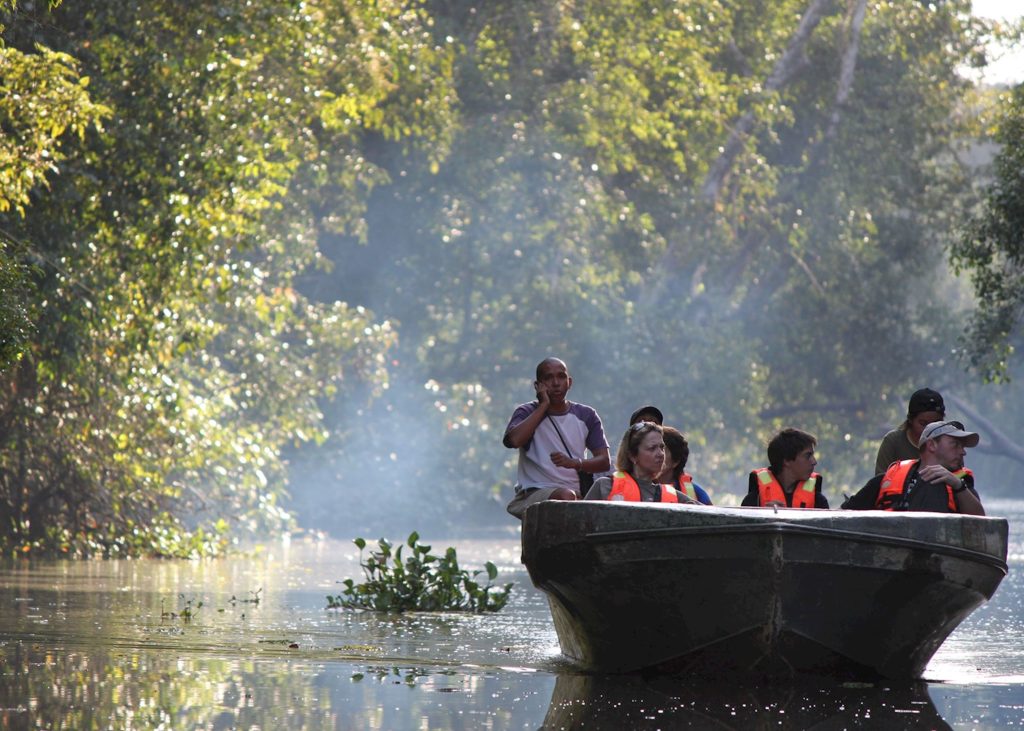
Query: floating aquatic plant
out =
(420, 582)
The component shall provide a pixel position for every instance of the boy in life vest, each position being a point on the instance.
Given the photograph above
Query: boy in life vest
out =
(935, 482)
(790, 480)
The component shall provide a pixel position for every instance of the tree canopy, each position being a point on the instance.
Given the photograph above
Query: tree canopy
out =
(325, 243)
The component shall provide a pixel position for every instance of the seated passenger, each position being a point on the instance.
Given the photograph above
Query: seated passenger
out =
(790, 481)
(677, 452)
(638, 463)
(925, 407)
(552, 435)
(934, 482)
(647, 413)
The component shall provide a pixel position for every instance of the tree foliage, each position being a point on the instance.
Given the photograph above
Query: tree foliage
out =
(992, 249)
(574, 216)
(329, 241)
(174, 356)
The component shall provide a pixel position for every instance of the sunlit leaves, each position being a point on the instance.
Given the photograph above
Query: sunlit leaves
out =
(176, 356)
(42, 96)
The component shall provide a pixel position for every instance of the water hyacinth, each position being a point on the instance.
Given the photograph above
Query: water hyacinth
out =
(422, 582)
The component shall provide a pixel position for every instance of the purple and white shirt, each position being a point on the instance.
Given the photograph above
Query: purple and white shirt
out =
(582, 429)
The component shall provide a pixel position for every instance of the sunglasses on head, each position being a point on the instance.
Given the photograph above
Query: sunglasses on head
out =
(641, 424)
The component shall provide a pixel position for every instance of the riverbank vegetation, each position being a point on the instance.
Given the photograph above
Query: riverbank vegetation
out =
(263, 257)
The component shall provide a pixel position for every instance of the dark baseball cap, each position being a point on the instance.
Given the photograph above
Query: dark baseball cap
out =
(926, 400)
(658, 418)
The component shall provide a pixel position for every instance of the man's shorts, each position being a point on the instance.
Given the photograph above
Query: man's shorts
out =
(526, 497)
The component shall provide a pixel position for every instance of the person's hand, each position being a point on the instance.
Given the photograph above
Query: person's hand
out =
(936, 473)
(564, 460)
(542, 393)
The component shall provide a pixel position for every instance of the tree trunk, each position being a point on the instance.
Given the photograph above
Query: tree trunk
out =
(994, 441)
(786, 67)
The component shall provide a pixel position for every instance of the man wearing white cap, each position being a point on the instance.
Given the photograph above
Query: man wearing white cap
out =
(935, 482)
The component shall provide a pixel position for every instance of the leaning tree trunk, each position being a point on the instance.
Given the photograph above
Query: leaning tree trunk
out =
(785, 69)
(994, 440)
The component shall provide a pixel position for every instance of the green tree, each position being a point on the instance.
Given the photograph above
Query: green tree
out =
(721, 206)
(992, 250)
(175, 358)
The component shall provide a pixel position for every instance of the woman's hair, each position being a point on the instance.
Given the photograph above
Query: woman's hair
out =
(678, 448)
(630, 444)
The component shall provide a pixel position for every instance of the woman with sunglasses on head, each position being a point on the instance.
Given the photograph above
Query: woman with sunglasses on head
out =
(638, 463)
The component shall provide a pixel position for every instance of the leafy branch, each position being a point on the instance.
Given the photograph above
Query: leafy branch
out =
(421, 582)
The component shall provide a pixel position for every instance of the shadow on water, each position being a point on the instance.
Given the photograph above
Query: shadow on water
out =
(589, 702)
(108, 644)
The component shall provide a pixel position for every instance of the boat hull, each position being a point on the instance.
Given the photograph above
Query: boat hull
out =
(760, 590)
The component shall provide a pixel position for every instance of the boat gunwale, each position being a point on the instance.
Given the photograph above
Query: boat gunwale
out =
(781, 526)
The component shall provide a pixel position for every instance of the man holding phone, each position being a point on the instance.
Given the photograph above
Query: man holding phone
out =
(553, 436)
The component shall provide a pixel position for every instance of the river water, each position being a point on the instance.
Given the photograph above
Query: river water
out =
(111, 645)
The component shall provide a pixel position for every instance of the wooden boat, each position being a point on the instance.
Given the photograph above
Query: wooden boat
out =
(711, 590)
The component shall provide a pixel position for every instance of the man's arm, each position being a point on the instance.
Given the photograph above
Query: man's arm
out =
(751, 499)
(599, 462)
(520, 434)
(866, 497)
(966, 501)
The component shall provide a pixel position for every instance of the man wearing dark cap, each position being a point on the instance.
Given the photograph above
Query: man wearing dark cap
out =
(647, 413)
(934, 482)
(926, 406)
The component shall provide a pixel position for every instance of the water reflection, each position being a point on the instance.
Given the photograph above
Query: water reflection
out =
(581, 701)
(104, 644)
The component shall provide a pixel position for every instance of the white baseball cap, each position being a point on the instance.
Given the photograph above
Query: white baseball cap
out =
(951, 428)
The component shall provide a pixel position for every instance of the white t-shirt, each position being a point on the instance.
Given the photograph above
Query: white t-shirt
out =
(582, 429)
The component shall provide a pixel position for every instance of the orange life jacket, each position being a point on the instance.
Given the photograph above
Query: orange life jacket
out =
(895, 479)
(686, 487)
(624, 487)
(769, 489)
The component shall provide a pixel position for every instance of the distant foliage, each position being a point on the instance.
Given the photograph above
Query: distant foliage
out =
(422, 582)
(992, 250)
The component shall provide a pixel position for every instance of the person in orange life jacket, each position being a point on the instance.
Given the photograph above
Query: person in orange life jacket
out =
(677, 451)
(925, 407)
(638, 463)
(552, 435)
(931, 483)
(790, 481)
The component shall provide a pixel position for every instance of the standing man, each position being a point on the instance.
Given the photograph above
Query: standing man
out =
(930, 483)
(790, 480)
(553, 435)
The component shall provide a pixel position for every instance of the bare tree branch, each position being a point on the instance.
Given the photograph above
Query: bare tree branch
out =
(784, 70)
(994, 440)
(848, 65)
